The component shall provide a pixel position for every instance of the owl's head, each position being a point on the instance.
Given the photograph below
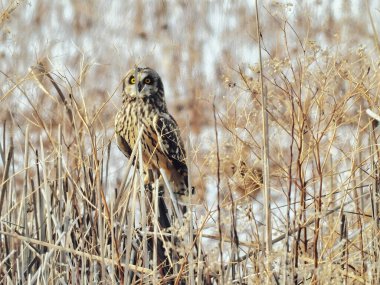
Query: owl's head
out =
(143, 82)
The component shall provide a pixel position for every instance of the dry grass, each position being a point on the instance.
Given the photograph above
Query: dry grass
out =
(73, 210)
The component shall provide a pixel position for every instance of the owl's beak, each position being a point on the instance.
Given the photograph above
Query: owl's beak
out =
(140, 86)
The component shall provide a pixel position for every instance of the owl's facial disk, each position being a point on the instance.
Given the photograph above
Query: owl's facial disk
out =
(144, 85)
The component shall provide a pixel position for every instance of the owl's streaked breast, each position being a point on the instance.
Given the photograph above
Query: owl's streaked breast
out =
(127, 125)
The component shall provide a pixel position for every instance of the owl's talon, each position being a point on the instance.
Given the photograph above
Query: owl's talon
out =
(148, 187)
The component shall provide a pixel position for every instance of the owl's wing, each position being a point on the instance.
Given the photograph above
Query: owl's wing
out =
(170, 141)
(123, 146)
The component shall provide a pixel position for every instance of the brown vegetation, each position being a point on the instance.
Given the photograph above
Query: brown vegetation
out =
(72, 210)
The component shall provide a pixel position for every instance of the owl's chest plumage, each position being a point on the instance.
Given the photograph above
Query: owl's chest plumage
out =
(133, 115)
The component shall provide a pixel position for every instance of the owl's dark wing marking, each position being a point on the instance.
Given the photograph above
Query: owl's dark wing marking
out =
(123, 146)
(170, 141)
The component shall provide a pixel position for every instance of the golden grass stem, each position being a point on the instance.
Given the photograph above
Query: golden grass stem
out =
(265, 153)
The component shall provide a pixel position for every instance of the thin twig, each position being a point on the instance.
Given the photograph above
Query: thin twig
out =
(218, 194)
(48, 245)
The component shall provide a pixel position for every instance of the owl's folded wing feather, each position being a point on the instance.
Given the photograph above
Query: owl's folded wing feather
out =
(170, 141)
(123, 146)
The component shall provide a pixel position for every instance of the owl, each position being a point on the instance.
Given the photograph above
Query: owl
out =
(144, 104)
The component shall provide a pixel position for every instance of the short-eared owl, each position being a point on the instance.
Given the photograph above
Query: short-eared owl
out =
(162, 147)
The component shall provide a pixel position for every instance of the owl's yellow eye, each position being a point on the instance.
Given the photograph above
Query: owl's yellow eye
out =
(132, 80)
(148, 80)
